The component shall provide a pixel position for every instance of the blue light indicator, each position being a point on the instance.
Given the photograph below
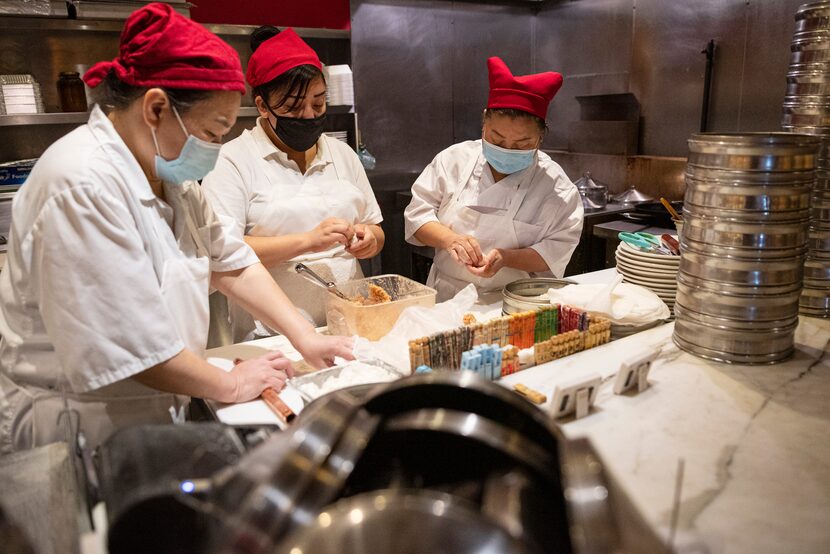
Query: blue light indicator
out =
(187, 487)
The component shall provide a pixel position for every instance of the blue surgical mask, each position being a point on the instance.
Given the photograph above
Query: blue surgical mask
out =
(506, 161)
(197, 158)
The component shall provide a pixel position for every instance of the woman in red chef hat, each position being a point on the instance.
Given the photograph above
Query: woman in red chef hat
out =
(296, 194)
(113, 250)
(498, 209)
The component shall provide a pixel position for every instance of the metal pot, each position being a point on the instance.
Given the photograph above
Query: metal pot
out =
(748, 198)
(751, 348)
(747, 255)
(766, 152)
(743, 311)
(740, 216)
(403, 521)
(752, 273)
(728, 233)
(728, 289)
(523, 294)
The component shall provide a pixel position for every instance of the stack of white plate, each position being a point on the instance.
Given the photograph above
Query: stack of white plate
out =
(656, 272)
(342, 136)
(339, 85)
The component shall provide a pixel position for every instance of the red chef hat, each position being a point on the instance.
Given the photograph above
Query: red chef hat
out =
(277, 55)
(160, 48)
(528, 93)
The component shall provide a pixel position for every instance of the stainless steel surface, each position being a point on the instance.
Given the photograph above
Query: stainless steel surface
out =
(725, 233)
(318, 378)
(465, 391)
(737, 290)
(738, 311)
(259, 498)
(748, 198)
(403, 79)
(765, 152)
(523, 294)
(331, 286)
(742, 217)
(742, 254)
(403, 522)
(601, 47)
(773, 272)
(717, 355)
(632, 196)
(593, 528)
(761, 343)
(730, 324)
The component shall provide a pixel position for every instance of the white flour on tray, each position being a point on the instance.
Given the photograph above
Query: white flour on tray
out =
(355, 373)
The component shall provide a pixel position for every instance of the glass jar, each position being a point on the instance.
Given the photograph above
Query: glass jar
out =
(72, 92)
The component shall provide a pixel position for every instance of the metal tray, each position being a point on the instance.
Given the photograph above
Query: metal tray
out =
(319, 377)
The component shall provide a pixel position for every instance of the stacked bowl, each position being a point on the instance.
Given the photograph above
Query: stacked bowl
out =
(656, 272)
(807, 110)
(746, 213)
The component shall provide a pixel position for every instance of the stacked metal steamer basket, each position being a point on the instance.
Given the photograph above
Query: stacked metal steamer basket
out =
(746, 214)
(807, 110)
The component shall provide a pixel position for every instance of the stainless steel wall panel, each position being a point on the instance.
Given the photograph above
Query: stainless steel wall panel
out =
(668, 68)
(589, 42)
(771, 26)
(402, 60)
(480, 31)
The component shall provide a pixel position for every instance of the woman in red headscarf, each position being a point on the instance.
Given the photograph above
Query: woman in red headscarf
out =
(113, 249)
(296, 194)
(498, 209)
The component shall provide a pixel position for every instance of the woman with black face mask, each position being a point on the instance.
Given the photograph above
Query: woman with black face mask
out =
(296, 194)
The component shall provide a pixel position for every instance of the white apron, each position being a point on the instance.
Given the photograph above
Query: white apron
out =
(491, 230)
(184, 286)
(314, 201)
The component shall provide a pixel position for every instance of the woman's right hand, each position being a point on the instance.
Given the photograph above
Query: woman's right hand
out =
(329, 232)
(465, 250)
(253, 376)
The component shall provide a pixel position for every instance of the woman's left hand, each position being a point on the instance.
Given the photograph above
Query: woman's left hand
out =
(493, 262)
(319, 351)
(366, 244)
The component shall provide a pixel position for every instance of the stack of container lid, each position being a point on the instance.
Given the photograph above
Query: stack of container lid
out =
(807, 110)
(746, 214)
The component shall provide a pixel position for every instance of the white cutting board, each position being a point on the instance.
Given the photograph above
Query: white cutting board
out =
(255, 412)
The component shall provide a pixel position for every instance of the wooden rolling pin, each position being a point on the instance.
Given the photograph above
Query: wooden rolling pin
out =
(274, 402)
(533, 395)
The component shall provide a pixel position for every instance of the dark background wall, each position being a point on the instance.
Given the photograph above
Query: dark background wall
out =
(421, 76)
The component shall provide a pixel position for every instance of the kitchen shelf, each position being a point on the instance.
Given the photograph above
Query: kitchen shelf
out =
(17, 23)
(56, 118)
(77, 118)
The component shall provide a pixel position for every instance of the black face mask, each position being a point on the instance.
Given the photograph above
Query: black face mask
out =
(298, 134)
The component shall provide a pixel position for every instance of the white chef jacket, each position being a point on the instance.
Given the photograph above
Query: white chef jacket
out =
(81, 307)
(264, 192)
(549, 219)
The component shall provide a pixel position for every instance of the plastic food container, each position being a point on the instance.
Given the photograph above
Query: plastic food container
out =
(373, 322)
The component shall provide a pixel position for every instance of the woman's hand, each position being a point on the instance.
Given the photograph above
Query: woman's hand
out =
(328, 233)
(492, 263)
(465, 250)
(319, 350)
(366, 244)
(257, 374)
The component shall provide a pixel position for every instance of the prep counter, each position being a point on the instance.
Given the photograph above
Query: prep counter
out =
(755, 440)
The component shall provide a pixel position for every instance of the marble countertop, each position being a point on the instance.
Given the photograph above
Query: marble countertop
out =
(755, 440)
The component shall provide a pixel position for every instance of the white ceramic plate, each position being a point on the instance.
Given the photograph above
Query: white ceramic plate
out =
(652, 285)
(637, 252)
(638, 275)
(645, 267)
(666, 262)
